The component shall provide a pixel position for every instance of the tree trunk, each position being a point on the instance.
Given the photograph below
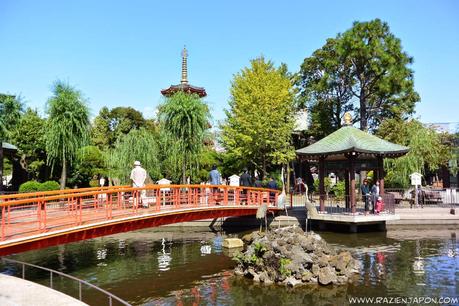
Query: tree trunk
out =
(363, 112)
(1, 166)
(63, 174)
(264, 167)
(184, 172)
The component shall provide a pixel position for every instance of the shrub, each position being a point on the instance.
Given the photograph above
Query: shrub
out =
(34, 186)
(94, 183)
(339, 190)
(49, 185)
(30, 186)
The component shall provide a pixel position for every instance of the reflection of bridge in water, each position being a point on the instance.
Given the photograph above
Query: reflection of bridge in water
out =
(38, 220)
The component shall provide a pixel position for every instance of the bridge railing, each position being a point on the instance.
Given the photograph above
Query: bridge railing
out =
(15, 196)
(53, 274)
(51, 213)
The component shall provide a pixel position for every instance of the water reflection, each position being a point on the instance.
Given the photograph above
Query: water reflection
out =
(164, 258)
(166, 268)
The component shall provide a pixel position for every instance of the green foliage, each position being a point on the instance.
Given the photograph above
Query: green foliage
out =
(259, 249)
(427, 150)
(283, 263)
(325, 84)
(185, 118)
(90, 162)
(67, 128)
(327, 185)
(259, 122)
(138, 145)
(364, 70)
(30, 186)
(29, 137)
(49, 185)
(34, 186)
(11, 109)
(110, 125)
(339, 189)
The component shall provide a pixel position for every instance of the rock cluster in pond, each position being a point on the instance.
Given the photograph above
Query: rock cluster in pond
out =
(291, 257)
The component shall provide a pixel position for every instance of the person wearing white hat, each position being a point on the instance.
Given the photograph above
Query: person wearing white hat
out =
(138, 177)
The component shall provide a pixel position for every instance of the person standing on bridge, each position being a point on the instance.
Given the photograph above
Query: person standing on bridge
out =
(215, 179)
(138, 177)
(245, 181)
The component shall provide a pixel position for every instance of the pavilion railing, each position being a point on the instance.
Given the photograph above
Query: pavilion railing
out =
(44, 214)
(342, 205)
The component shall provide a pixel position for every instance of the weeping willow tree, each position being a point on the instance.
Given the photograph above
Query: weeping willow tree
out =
(67, 127)
(170, 155)
(185, 119)
(138, 145)
(428, 150)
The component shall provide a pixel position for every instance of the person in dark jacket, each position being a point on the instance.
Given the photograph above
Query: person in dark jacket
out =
(272, 184)
(365, 189)
(245, 181)
(257, 183)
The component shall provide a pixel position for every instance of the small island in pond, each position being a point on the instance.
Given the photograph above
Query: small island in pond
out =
(291, 257)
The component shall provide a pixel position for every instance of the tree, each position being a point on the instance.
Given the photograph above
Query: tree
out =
(381, 79)
(89, 163)
(29, 137)
(109, 125)
(427, 150)
(186, 118)
(10, 112)
(325, 85)
(138, 145)
(259, 123)
(67, 127)
(365, 70)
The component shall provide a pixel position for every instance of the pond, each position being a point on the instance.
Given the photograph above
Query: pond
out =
(158, 267)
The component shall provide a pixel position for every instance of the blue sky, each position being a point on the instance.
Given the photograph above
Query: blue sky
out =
(122, 53)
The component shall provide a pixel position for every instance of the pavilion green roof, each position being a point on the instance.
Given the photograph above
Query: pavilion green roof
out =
(350, 139)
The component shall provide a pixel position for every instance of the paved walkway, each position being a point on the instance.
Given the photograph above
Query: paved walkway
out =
(426, 215)
(18, 292)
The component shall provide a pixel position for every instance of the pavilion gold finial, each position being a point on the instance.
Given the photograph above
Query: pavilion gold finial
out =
(347, 118)
(184, 66)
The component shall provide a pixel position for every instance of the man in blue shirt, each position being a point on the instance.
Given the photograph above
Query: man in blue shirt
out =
(215, 179)
(214, 176)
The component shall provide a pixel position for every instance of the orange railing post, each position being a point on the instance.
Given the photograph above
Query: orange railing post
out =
(3, 223)
(225, 196)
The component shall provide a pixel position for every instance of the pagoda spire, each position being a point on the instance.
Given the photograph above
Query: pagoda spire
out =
(184, 66)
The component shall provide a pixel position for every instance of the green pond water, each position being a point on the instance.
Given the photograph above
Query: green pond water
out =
(152, 267)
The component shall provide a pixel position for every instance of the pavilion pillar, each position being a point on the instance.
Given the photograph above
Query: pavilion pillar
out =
(322, 183)
(381, 174)
(352, 183)
(346, 186)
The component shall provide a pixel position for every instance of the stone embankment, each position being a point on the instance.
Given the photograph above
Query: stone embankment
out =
(291, 257)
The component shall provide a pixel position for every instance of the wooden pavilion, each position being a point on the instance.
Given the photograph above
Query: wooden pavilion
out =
(350, 150)
(7, 150)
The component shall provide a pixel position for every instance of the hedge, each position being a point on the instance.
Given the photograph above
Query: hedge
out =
(34, 186)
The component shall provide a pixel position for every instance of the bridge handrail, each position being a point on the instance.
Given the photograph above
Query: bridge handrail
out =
(53, 192)
(111, 296)
(119, 189)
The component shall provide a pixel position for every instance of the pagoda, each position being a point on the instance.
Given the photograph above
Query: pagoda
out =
(184, 86)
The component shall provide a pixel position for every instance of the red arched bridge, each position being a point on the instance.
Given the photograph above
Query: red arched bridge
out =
(37, 220)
